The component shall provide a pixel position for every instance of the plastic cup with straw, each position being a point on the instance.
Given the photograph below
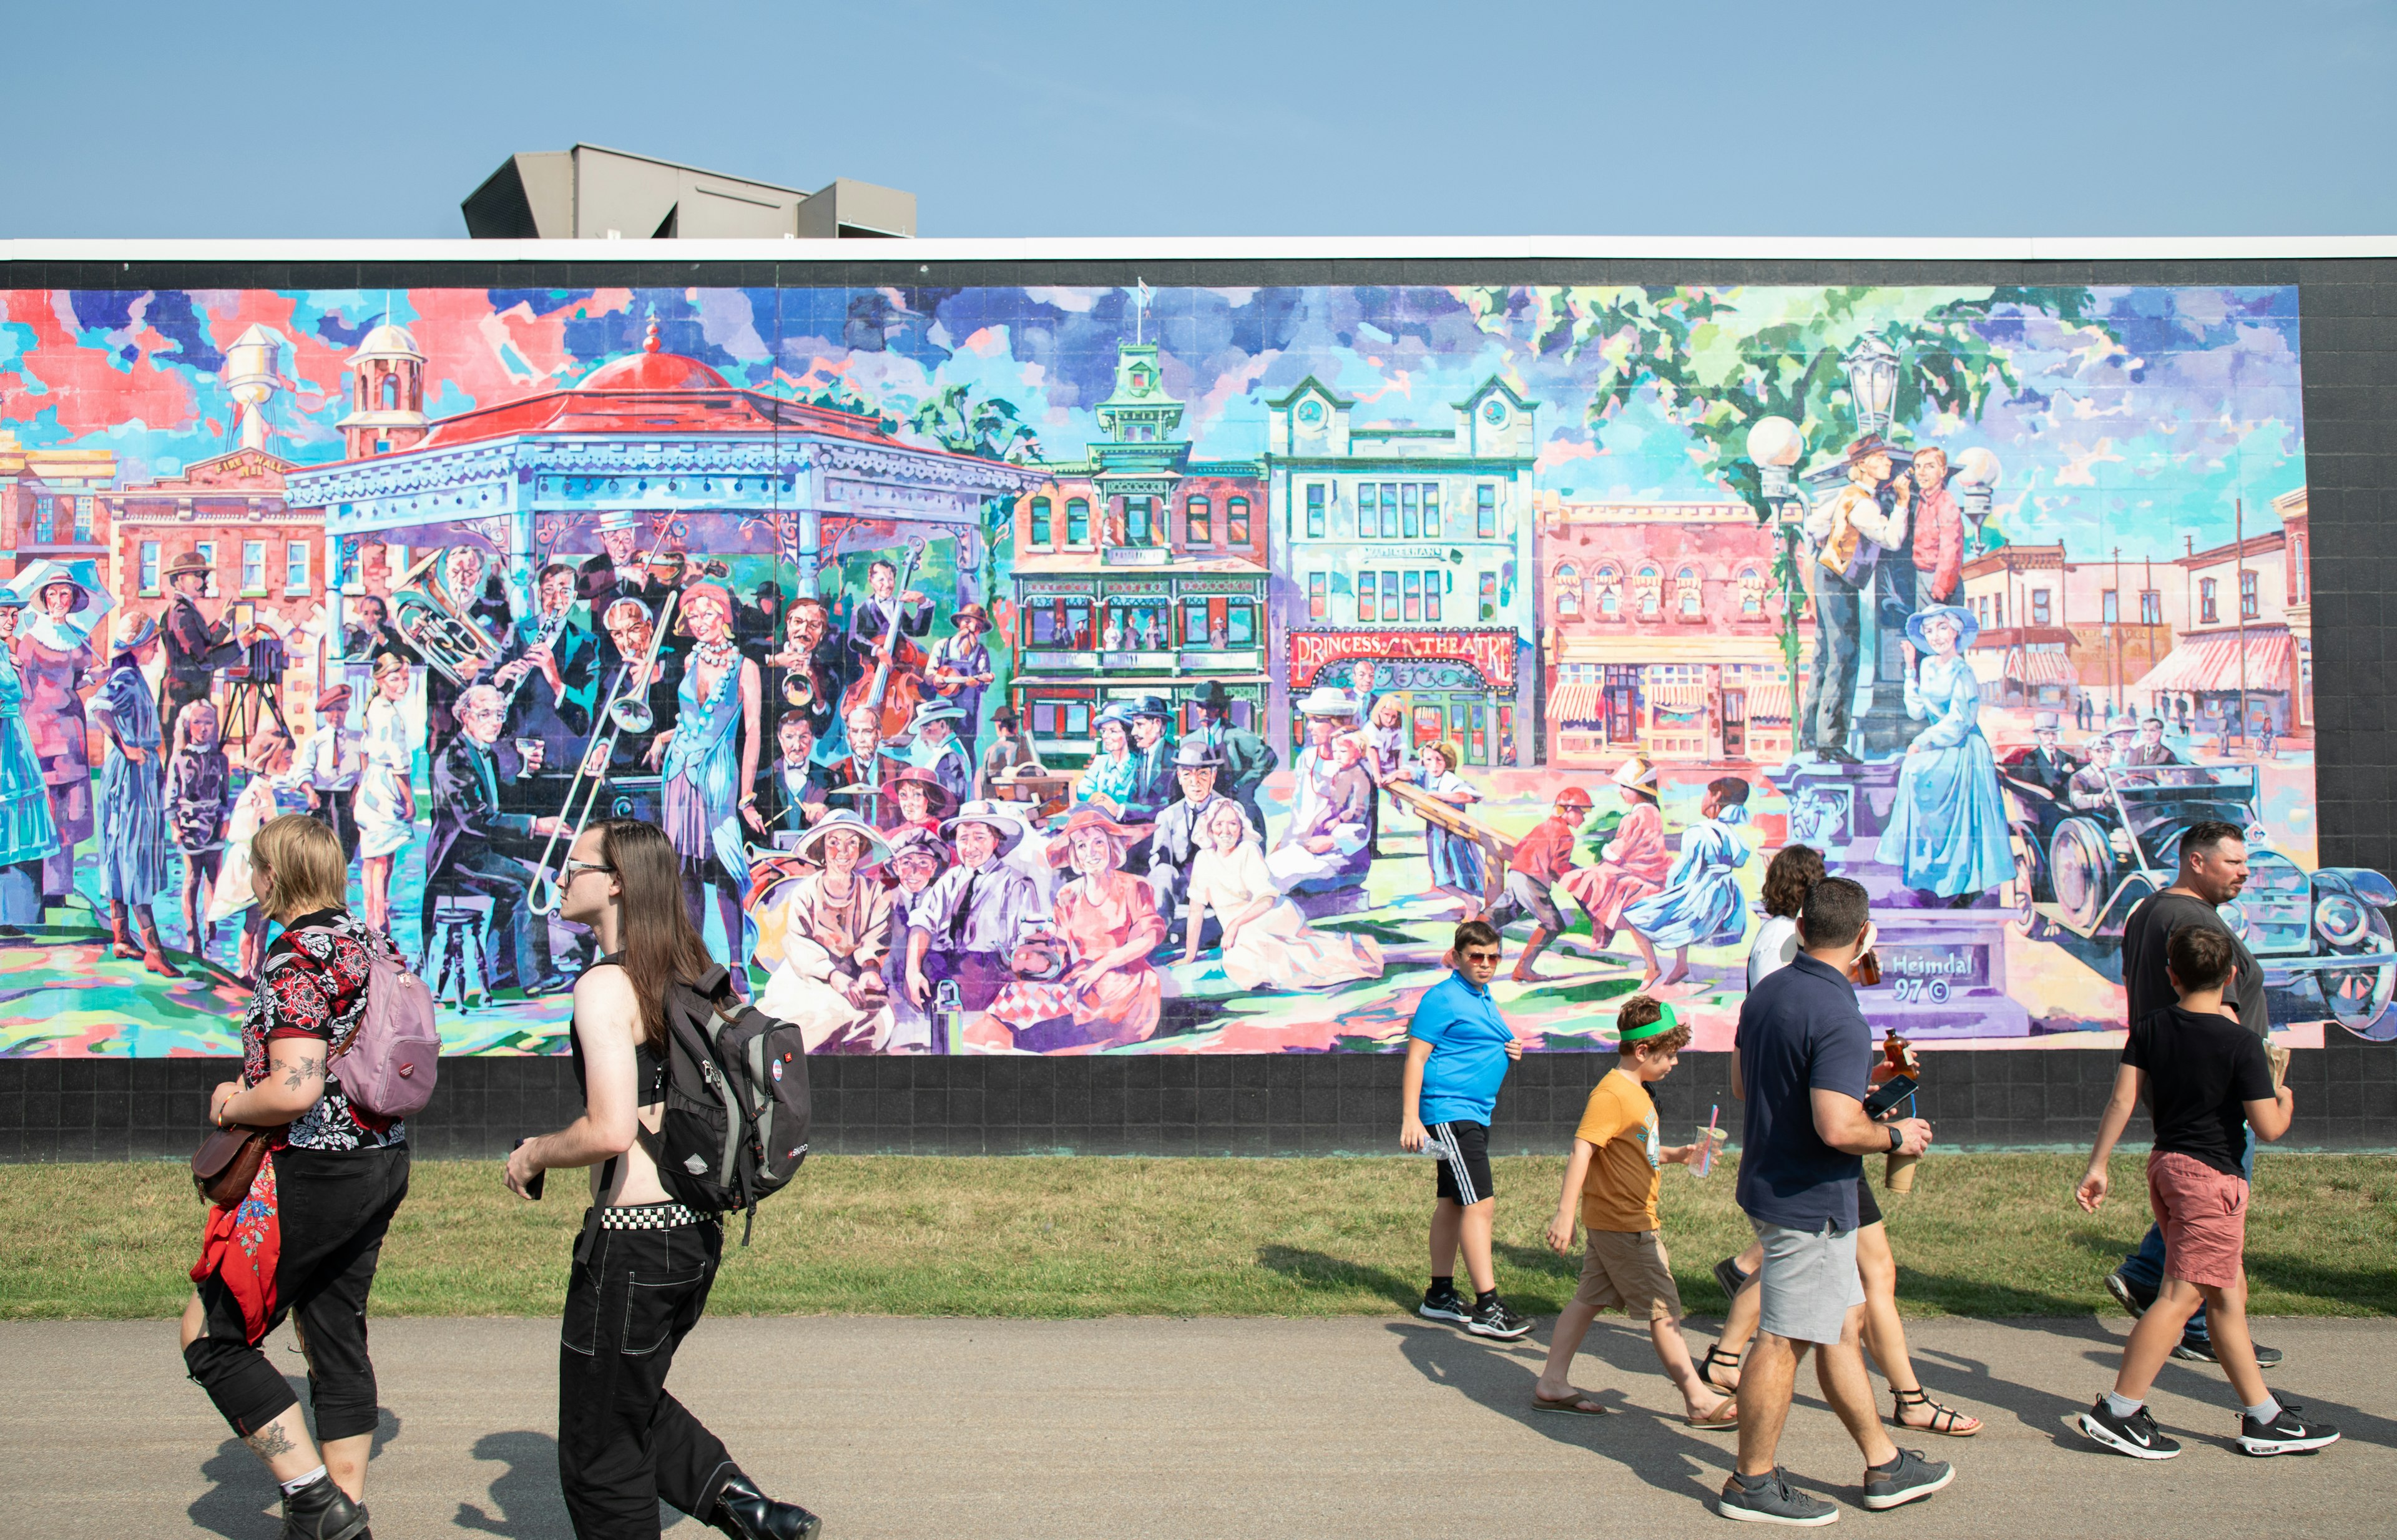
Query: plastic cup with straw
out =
(1708, 1134)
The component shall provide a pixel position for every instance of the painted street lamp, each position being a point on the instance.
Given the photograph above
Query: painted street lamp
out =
(1774, 446)
(1873, 385)
(1975, 481)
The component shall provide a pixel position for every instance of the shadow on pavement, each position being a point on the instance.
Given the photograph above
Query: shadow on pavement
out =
(525, 1495)
(241, 1502)
(1499, 1377)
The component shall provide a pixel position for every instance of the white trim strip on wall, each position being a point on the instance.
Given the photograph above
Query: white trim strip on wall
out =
(1246, 248)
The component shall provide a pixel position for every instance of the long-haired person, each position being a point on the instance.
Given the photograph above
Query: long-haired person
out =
(641, 1274)
(305, 1240)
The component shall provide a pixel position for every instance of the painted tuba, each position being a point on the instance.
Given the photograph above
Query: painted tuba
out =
(441, 623)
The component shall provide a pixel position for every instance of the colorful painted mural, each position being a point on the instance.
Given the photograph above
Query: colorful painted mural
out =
(1057, 670)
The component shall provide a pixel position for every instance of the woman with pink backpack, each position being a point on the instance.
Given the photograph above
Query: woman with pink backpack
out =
(302, 1205)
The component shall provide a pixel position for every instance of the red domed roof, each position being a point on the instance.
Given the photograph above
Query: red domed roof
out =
(650, 369)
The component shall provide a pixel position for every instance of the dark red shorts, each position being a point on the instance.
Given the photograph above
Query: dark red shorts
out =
(2203, 1213)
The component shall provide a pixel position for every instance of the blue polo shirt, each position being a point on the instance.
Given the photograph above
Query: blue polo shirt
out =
(1799, 1031)
(1468, 1052)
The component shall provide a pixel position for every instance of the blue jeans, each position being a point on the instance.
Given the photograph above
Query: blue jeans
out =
(2145, 1267)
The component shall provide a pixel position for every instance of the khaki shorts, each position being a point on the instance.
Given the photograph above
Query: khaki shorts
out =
(1629, 1270)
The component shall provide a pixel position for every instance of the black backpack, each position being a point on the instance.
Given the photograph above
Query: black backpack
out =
(735, 1128)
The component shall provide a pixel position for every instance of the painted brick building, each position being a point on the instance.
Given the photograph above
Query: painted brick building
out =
(1660, 633)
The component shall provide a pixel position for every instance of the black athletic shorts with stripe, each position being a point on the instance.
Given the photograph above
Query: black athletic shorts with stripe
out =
(1461, 1151)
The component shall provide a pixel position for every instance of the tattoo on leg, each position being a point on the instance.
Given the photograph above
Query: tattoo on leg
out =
(302, 1072)
(270, 1441)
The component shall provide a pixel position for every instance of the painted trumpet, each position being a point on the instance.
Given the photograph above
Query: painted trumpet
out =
(627, 711)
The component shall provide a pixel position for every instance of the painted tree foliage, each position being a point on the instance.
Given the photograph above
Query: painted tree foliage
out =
(1719, 361)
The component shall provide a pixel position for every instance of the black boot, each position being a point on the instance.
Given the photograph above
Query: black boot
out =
(322, 1511)
(745, 1513)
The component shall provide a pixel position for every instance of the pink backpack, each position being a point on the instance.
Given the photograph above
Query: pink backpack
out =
(389, 1063)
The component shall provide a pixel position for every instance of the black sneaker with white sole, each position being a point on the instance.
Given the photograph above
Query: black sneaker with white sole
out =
(1771, 1500)
(2135, 1435)
(1445, 1305)
(2131, 1296)
(1907, 1478)
(1494, 1320)
(2286, 1433)
(2196, 1347)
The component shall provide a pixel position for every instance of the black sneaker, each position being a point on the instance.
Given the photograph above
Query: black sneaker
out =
(2131, 1296)
(1907, 1478)
(2194, 1347)
(2135, 1435)
(2286, 1433)
(1729, 1278)
(322, 1511)
(1494, 1320)
(1445, 1305)
(1771, 1500)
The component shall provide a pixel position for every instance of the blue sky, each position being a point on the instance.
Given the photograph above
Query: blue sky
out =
(1238, 117)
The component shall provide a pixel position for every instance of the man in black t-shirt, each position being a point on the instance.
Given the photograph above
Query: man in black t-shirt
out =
(2212, 870)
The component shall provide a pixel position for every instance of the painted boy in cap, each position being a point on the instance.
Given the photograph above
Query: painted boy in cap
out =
(327, 772)
(196, 647)
(960, 668)
(917, 855)
(969, 923)
(1181, 833)
(1543, 859)
(1247, 758)
(132, 812)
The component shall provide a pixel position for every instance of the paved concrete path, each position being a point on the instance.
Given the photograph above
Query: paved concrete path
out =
(1147, 1427)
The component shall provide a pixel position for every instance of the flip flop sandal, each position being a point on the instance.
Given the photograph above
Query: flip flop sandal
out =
(1715, 1355)
(1570, 1404)
(1945, 1420)
(1722, 1419)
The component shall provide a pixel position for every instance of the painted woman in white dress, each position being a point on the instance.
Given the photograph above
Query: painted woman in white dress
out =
(1267, 942)
(386, 803)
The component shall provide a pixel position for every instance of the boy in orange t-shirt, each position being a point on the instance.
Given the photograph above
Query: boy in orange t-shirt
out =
(1612, 1176)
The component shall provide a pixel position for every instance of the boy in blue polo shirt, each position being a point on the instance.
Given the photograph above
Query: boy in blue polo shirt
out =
(1458, 1048)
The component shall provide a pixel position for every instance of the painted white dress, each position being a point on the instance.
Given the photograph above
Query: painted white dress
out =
(384, 826)
(1278, 949)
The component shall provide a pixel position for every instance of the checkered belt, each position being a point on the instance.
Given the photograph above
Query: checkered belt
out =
(650, 1216)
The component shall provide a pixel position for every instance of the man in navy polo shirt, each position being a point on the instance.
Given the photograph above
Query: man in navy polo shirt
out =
(1803, 1070)
(1458, 1048)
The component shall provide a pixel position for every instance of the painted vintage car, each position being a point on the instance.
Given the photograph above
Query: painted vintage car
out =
(2086, 853)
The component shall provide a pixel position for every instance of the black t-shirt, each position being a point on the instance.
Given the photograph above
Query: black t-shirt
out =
(2201, 1069)
(2145, 936)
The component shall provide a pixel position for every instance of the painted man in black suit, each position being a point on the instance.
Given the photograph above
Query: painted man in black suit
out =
(475, 848)
(196, 647)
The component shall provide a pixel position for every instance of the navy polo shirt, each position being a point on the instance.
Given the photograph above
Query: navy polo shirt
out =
(1799, 1031)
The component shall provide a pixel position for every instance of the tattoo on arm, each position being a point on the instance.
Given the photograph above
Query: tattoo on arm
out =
(270, 1441)
(300, 1071)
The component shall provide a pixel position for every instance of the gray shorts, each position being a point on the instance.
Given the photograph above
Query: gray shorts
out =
(1808, 1282)
(1532, 897)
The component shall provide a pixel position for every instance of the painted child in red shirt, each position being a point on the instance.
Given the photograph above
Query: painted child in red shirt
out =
(1540, 862)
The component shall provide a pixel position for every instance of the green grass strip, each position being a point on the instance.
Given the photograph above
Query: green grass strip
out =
(1982, 1235)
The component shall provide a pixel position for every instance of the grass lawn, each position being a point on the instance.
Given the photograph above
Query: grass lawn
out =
(1982, 1235)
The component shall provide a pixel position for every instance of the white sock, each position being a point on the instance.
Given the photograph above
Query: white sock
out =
(302, 1484)
(2121, 1406)
(2267, 1409)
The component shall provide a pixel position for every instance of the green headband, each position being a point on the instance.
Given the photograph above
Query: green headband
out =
(1664, 1022)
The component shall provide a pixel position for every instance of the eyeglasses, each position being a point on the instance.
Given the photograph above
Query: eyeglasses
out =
(576, 868)
(1487, 960)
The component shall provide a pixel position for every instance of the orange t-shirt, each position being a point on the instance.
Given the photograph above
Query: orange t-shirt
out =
(1620, 1191)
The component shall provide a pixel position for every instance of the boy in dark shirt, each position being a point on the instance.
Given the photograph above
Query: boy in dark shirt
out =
(2207, 1082)
(2213, 871)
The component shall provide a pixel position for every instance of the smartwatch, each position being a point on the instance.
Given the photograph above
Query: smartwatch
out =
(1896, 1140)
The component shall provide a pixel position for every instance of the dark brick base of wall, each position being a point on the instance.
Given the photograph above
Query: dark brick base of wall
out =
(98, 1109)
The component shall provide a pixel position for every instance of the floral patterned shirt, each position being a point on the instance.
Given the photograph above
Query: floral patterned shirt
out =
(313, 984)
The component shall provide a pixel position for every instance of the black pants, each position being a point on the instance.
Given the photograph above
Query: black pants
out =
(333, 1207)
(508, 884)
(335, 811)
(622, 1441)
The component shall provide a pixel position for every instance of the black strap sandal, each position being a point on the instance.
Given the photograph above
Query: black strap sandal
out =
(1715, 1355)
(1945, 1420)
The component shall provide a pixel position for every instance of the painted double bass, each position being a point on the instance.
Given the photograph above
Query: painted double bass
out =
(895, 687)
